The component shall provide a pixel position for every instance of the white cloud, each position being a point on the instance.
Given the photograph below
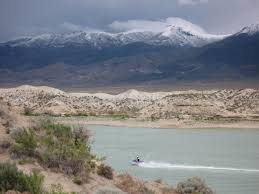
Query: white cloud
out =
(154, 26)
(70, 27)
(192, 2)
(137, 25)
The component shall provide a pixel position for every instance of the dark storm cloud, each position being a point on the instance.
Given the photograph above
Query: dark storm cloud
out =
(21, 17)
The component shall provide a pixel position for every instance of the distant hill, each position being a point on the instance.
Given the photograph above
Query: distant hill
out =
(92, 58)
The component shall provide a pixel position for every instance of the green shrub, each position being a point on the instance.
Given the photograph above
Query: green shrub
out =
(8, 177)
(35, 182)
(56, 146)
(12, 179)
(105, 171)
(60, 131)
(154, 118)
(26, 143)
(26, 161)
(67, 149)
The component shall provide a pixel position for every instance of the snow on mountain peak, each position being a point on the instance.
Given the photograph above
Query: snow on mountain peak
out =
(185, 25)
(250, 30)
(171, 31)
(155, 26)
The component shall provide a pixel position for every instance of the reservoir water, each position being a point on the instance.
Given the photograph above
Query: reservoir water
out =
(227, 159)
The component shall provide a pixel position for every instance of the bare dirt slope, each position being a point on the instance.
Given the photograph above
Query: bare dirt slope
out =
(194, 105)
(9, 120)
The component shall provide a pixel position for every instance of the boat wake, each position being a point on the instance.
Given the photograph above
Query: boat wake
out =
(163, 165)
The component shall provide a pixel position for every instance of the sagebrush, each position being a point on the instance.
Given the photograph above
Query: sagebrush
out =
(12, 179)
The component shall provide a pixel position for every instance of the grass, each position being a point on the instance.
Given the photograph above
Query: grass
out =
(12, 179)
(26, 143)
(216, 118)
(26, 161)
(15, 180)
(114, 116)
(152, 118)
(110, 116)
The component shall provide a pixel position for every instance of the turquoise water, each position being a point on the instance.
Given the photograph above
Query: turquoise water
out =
(228, 159)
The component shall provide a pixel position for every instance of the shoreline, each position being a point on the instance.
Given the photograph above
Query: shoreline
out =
(160, 124)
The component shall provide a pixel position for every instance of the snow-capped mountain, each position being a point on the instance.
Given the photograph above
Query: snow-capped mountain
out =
(68, 58)
(249, 30)
(174, 33)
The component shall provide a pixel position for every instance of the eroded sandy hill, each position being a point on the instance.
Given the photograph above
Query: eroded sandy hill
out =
(166, 105)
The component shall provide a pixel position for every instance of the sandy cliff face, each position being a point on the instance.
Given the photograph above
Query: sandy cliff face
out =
(166, 105)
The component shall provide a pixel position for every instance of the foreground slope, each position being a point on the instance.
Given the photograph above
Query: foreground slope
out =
(29, 162)
(54, 180)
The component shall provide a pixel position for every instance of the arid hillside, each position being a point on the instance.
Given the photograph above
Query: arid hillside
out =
(182, 105)
(22, 164)
(40, 157)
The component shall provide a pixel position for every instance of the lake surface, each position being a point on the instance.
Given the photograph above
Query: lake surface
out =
(227, 159)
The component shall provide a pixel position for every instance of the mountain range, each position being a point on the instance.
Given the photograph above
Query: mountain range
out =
(179, 51)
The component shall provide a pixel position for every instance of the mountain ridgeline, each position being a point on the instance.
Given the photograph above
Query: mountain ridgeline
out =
(89, 58)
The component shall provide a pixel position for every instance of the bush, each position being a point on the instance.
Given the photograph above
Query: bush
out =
(130, 185)
(192, 186)
(58, 130)
(77, 180)
(12, 179)
(56, 146)
(57, 189)
(26, 143)
(28, 111)
(35, 182)
(67, 149)
(105, 171)
(154, 118)
(5, 144)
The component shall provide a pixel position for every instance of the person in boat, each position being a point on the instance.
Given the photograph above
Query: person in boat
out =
(138, 160)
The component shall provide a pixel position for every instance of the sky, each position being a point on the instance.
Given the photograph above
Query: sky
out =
(28, 17)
